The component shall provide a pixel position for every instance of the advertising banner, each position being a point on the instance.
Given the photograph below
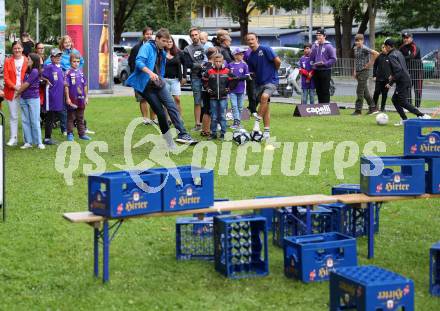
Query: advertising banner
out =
(74, 23)
(99, 45)
(330, 109)
(2, 32)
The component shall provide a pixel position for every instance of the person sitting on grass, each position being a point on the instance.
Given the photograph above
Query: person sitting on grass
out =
(30, 103)
(306, 71)
(75, 84)
(217, 80)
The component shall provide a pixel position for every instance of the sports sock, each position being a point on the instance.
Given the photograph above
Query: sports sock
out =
(257, 123)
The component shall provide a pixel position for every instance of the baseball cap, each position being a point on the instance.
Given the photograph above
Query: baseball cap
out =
(389, 42)
(55, 52)
(237, 51)
(406, 34)
(320, 31)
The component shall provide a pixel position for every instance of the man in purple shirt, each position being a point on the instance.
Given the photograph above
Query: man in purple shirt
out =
(264, 63)
(54, 99)
(240, 71)
(322, 58)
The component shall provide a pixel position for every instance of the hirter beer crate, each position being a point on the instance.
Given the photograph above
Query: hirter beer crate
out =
(310, 258)
(370, 288)
(186, 187)
(240, 246)
(346, 189)
(433, 176)
(124, 193)
(283, 225)
(392, 176)
(434, 269)
(421, 144)
(194, 238)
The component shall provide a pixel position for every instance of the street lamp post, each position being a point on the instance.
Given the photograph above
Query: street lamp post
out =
(310, 20)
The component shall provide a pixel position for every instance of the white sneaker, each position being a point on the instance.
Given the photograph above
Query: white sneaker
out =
(12, 142)
(425, 117)
(41, 146)
(400, 123)
(266, 135)
(89, 131)
(64, 133)
(219, 128)
(147, 121)
(26, 146)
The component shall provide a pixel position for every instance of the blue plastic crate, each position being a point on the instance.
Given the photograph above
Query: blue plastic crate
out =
(117, 194)
(417, 144)
(194, 238)
(283, 225)
(310, 258)
(399, 176)
(186, 187)
(321, 219)
(433, 176)
(240, 246)
(346, 189)
(434, 269)
(370, 288)
(268, 213)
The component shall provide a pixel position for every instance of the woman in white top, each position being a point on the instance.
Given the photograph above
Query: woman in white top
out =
(14, 70)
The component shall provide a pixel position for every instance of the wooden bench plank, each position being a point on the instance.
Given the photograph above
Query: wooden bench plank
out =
(83, 217)
(363, 198)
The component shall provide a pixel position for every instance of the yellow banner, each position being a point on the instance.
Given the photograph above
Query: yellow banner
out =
(74, 15)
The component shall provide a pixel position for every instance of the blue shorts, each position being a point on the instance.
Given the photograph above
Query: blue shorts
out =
(173, 86)
(196, 85)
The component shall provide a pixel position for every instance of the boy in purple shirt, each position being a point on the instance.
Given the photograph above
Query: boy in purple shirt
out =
(54, 103)
(240, 70)
(306, 71)
(76, 98)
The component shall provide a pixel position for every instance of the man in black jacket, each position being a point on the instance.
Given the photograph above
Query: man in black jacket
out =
(381, 75)
(147, 34)
(411, 52)
(400, 76)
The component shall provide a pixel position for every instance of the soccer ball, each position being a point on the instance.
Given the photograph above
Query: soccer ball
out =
(382, 119)
(256, 136)
(241, 136)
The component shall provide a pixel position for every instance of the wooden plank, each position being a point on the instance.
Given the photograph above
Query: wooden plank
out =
(363, 198)
(83, 217)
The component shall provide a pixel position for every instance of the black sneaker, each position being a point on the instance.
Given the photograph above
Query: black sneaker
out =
(186, 139)
(356, 113)
(222, 136)
(212, 137)
(48, 141)
(373, 111)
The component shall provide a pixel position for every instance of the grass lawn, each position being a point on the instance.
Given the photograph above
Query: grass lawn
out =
(46, 262)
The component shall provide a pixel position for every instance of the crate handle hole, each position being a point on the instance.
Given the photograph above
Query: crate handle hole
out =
(103, 187)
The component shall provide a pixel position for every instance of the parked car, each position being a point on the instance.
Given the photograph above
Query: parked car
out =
(288, 56)
(431, 64)
(121, 70)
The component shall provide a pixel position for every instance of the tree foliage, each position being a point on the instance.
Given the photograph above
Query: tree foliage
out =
(412, 14)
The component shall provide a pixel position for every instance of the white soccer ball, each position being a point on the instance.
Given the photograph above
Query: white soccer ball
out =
(382, 119)
(257, 136)
(241, 136)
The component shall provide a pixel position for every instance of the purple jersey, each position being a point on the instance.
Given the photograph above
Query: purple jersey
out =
(76, 82)
(239, 70)
(55, 92)
(33, 91)
(304, 63)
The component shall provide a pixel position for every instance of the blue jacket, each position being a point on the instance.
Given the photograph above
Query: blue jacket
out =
(146, 58)
(65, 59)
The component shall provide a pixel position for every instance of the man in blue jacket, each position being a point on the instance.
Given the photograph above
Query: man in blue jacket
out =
(322, 58)
(147, 79)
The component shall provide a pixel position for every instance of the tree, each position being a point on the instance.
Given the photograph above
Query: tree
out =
(123, 11)
(412, 14)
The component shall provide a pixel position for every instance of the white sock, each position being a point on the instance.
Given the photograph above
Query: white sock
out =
(257, 123)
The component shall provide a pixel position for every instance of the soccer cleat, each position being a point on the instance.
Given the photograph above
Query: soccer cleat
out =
(48, 141)
(26, 146)
(70, 137)
(400, 123)
(85, 137)
(41, 146)
(12, 142)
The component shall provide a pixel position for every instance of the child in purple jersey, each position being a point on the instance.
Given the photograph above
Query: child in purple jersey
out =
(306, 71)
(30, 103)
(76, 98)
(240, 70)
(54, 99)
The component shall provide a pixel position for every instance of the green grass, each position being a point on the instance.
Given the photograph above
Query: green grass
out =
(352, 99)
(46, 262)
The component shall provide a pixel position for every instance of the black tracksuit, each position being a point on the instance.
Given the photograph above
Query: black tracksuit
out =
(382, 72)
(400, 76)
(411, 52)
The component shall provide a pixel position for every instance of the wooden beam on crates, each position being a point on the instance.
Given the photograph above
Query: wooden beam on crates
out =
(363, 198)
